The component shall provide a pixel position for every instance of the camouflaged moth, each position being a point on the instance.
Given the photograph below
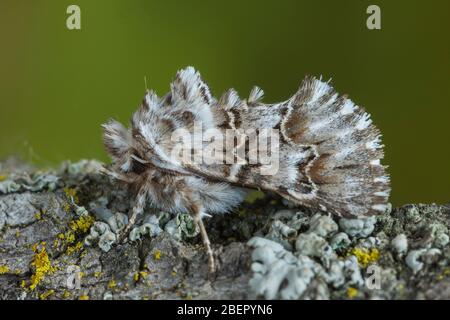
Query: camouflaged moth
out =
(328, 151)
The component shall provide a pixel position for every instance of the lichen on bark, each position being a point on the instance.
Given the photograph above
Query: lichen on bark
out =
(58, 240)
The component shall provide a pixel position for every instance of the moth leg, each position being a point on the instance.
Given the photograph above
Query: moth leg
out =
(115, 175)
(198, 220)
(138, 208)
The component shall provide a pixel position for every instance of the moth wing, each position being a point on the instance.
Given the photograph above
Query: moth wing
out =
(339, 149)
(329, 151)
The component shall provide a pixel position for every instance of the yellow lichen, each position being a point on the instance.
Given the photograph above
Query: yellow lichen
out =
(3, 177)
(352, 292)
(112, 284)
(82, 224)
(66, 294)
(38, 215)
(66, 207)
(18, 234)
(140, 275)
(364, 256)
(4, 269)
(71, 193)
(23, 283)
(41, 265)
(77, 227)
(97, 274)
(76, 248)
(83, 297)
(70, 237)
(444, 274)
(45, 295)
(157, 255)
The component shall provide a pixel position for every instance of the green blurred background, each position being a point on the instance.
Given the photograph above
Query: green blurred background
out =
(57, 86)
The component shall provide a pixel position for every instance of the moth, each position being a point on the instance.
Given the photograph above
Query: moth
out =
(328, 150)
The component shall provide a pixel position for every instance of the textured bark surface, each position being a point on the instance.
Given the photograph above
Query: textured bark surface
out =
(43, 249)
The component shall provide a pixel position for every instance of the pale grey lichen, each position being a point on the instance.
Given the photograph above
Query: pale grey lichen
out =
(9, 186)
(37, 181)
(359, 228)
(289, 272)
(400, 244)
(182, 226)
(273, 265)
(322, 225)
(368, 243)
(281, 274)
(280, 232)
(101, 235)
(432, 255)
(300, 254)
(353, 271)
(150, 227)
(413, 259)
(81, 167)
(105, 232)
(312, 245)
(340, 241)
(118, 222)
(441, 240)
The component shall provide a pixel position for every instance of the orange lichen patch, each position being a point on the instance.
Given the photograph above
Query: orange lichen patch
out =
(41, 264)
